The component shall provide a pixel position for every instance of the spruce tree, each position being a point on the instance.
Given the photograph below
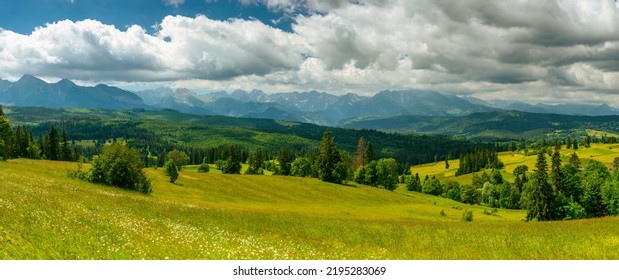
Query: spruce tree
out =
(539, 207)
(369, 153)
(574, 160)
(555, 172)
(575, 145)
(327, 159)
(5, 138)
(171, 170)
(65, 151)
(53, 148)
(285, 159)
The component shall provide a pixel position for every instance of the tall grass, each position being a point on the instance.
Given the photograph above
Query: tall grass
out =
(46, 215)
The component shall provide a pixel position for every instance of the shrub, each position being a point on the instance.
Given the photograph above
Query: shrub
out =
(467, 216)
(230, 166)
(432, 186)
(203, 168)
(573, 211)
(301, 167)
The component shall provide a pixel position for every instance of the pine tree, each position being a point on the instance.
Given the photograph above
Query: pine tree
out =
(539, 207)
(447, 162)
(575, 145)
(360, 154)
(254, 161)
(285, 159)
(369, 153)
(171, 170)
(555, 172)
(574, 160)
(5, 138)
(327, 159)
(53, 148)
(65, 151)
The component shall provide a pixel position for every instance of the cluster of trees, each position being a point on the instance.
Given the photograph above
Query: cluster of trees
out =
(568, 192)
(478, 160)
(19, 142)
(555, 192)
(382, 173)
(325, 163)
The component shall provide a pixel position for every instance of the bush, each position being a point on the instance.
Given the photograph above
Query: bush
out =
(203, 168)
(120, 166)
(301, 167)
(230, 166)
(432, 186)
(573, 211)
(467, 216)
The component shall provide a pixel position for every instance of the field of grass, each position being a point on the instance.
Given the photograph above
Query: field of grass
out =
(604, 153)
(46, 215)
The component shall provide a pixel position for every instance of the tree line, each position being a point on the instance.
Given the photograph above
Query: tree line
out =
(550, 192)
(19, 142)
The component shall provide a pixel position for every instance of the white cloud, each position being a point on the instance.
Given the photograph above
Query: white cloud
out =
(487, 48)
(183, 48)
(174, 3)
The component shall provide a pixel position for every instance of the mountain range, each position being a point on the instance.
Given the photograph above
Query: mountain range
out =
(31, 91)
(401, 110)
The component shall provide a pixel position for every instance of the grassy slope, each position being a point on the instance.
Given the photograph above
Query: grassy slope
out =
(45, 215)
(604, 153)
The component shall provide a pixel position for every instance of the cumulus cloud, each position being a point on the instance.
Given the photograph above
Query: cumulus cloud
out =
(520, 49)
(183, 48)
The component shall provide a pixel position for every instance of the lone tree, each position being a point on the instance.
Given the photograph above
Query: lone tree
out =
(327, 160)
(180, 158)
(120, 166)
(171, 170)
(541, 192)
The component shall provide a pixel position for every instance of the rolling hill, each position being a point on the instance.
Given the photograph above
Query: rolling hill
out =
(45, 215)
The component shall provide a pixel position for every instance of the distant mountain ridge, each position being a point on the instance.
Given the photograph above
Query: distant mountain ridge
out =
(31, 91)
(396, 107)
(315, 107)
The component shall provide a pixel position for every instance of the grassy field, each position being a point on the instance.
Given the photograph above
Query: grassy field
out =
(46, 215)
(604, 153)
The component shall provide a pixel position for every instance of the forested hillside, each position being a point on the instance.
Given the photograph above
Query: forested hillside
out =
(492, 125)
(164, 130)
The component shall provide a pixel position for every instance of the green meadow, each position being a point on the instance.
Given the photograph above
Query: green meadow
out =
(604, 153)
(46, 215)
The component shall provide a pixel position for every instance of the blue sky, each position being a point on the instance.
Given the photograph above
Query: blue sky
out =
(556, 51)
(24, 15)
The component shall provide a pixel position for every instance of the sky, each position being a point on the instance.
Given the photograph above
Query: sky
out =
(551, 51)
